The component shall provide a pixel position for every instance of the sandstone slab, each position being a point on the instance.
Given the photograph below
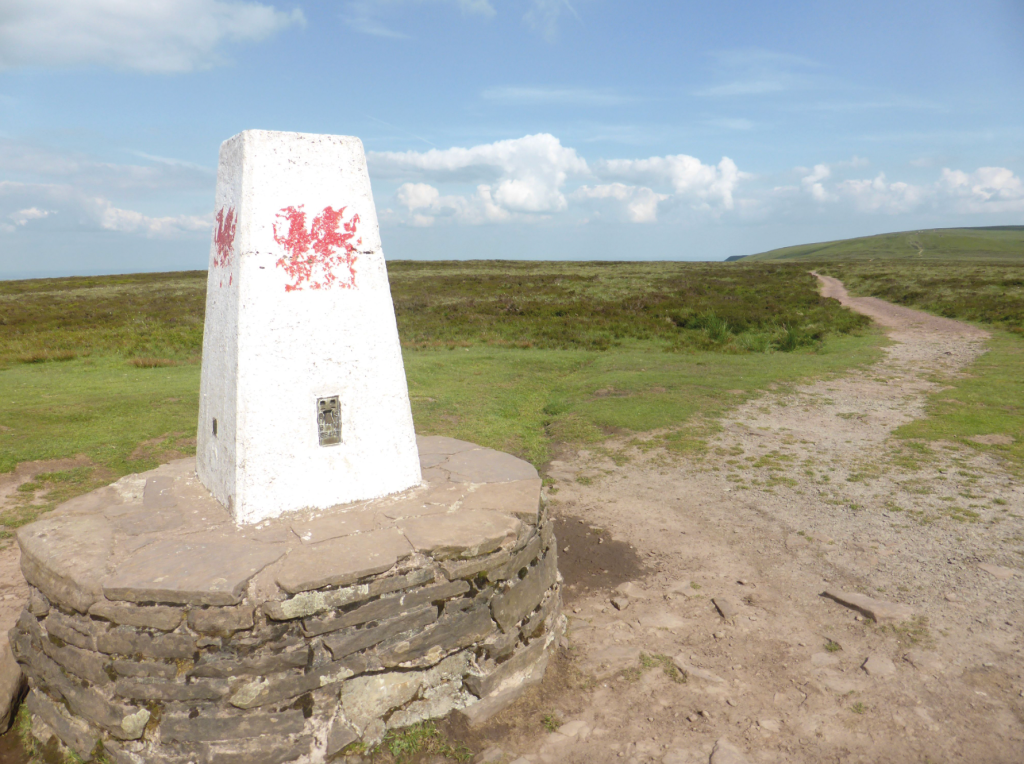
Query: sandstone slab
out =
(520, 498)
(509, 607)
(484, 465)
(342, 561)
(440, 445)
(465, 534)
(335, 523)
(66, 557)
(162, 618)
(190, 573)
(878, 610)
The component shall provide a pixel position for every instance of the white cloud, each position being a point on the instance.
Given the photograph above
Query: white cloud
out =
(69, 209)
(880, 195)
(531, 178)
(640, 203)
(148, 36)
(544, 15)
(523, 175)
(709, 185)
(812, 182)
(987, 189)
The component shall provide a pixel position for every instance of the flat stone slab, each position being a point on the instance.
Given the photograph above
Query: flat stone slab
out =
(342, 561)
(484, 465)
(65, 558)
(517, 497)
(878, 610)
(464, 534)
(190, 573)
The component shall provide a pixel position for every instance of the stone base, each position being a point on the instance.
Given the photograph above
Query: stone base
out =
(159, 631)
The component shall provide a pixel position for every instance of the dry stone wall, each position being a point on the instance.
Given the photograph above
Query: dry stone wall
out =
(447, 599)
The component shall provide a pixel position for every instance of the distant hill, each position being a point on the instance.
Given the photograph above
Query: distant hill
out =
(1004, 243)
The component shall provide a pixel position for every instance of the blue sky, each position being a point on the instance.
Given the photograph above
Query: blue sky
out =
(582, 129)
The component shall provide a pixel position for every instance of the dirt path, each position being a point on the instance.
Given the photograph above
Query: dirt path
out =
(802, 491)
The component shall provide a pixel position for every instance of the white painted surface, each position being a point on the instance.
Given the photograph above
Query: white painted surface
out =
(270, 353)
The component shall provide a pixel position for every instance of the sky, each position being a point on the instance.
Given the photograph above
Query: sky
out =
(541, 129)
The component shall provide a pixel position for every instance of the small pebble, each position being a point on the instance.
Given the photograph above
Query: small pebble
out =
(719, 635)
(692, 718)
(731, 702)
(858, 618)
(565, 549)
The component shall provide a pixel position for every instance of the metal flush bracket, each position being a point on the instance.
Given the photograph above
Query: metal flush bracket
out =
(328, 420)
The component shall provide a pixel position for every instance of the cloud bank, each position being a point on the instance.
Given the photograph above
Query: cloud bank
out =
(160, 36)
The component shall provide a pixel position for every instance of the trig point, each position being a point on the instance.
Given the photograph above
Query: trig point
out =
(317, 575)
(303, 398)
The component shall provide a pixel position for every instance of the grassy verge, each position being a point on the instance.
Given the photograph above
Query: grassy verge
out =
(984, 409)
(525, 357)
(531, 403)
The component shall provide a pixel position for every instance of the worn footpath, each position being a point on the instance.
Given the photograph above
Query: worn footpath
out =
(726, 648)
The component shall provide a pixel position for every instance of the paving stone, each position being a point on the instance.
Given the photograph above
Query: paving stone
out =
(223, 621)
(135, 689)
(158, 617)
(484, 465)
(725, 607)
(65, 558)
(438, 444)
(334, 524)
(159, 493)
(726, 753)
(433, 643)
(879, 665)
(190, 573)
(520, 498)
(310, 603)
(84, 664)
(880, 611)
(484, 684)
(74, 733)
(258, 665)
(464, 534)
(997, 571)
(12, 683)
(143, 521)
(342, 561)
(509, 607)
(238, 727)
(143, 669)
(385, 608)
(350, 641)
(160, 647)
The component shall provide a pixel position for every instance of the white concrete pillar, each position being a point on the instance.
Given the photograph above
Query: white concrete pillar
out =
(303, 396)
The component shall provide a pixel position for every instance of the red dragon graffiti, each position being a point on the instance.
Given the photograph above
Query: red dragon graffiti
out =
(224, 240)
(322, 256)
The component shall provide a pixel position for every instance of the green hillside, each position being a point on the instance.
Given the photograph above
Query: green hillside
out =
(1001, 243)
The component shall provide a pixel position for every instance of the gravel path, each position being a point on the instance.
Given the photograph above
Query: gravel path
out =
(803, 490)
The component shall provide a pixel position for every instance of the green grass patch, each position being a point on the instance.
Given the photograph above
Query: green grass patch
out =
(1005, 243)
(422, 739)
(989, 402)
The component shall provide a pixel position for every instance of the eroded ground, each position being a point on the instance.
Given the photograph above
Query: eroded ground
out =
(802, 491)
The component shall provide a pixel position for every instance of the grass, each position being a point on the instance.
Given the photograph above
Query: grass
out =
(525, 357)
(1004, 243)
(423, 738)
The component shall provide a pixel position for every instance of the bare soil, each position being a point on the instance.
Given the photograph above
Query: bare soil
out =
(803, 490)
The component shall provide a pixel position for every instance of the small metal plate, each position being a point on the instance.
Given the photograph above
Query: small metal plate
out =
(328, 420)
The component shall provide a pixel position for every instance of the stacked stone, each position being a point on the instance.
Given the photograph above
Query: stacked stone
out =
(302, 668)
